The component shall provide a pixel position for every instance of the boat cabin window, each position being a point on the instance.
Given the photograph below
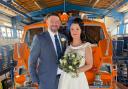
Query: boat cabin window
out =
(93, 34)
(31, 33)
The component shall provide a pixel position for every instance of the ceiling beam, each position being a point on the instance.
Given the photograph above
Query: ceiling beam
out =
(7, 11)
(14, 1)
(113, 12)
(35, 2)
(96, 11)
(69, 7)
(13, 8)
(95, 3)
(122, 3)
(90, 1)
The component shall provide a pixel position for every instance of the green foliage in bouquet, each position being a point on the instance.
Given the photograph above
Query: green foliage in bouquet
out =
(70, 63)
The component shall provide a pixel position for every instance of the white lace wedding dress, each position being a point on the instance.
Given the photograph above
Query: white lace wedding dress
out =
(80, 82)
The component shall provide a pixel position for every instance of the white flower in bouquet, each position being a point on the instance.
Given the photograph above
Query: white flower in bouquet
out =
(74, 62)
(73, 55)
(70, 63)
(70, 67)
(64, 61)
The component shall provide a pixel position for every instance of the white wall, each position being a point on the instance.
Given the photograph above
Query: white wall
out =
(111, 25)
(5, 20)
(126, 22)
(126, 18)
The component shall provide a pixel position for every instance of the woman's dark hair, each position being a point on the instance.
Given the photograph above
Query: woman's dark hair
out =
(81, 24)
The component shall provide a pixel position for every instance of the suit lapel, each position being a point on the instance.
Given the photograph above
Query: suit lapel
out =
(62, 43)
(49, 40)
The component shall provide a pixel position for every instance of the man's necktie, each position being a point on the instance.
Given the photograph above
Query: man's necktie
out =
(58, 47)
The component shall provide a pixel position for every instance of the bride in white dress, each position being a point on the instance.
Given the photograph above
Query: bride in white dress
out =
(78, 45)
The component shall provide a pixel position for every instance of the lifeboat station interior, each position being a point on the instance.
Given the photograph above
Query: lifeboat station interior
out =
(105, 27)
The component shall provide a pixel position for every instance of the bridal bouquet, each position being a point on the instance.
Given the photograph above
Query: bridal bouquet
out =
(70, 62)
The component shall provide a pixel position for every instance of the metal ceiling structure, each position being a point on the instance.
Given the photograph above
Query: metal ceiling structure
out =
(34, 5)
(35, 10)
(2, 2)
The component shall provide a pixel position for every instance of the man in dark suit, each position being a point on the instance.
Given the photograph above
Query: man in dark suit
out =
(46, 50)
